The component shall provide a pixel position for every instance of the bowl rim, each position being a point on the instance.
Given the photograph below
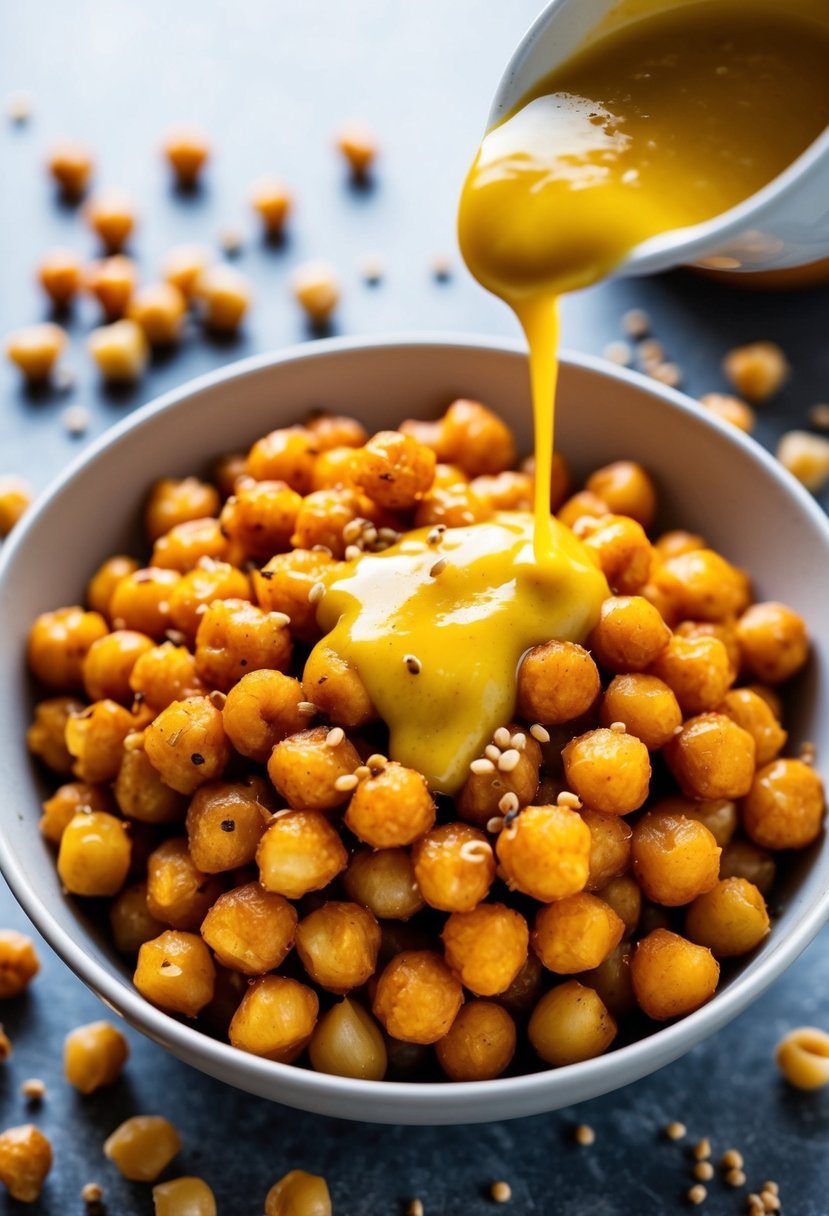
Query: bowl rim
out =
(634, 1060)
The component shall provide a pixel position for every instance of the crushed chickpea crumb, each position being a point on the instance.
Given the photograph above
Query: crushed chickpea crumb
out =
(33, 1089)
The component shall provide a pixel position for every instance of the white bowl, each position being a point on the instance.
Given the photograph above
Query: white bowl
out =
(711, 479)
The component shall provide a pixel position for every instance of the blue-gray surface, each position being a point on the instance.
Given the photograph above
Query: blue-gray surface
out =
(271, 80)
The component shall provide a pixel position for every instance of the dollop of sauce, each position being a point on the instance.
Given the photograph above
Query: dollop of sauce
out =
(436, 631)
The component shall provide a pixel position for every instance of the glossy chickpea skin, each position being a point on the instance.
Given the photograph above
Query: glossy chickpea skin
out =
(570, 1024)
(391, 808)
(630, 634)
(645, 704)
(186, 744)
(164, 674)
(557, 682)
(332, 684)
(298, 1194)
(383, 881)
(139, 790)
(195, 592)
(712, 757)
(66, 802)
(173, 502)
(109, 662)
(719, 815)
(323, 516)
(674, 859)
(288, 455)
(624, 896)
(338, 945)
(608, 769)
(235, 637)
(176, 973)
(580, 504)
(58, 645)
(299, 852)
(545, 852)
(306, 769)
(18, 963)
(15, 499)
(95, 739)
(184, 1197)
(250, 930)
(697, 670)
(276, 1018)
(576, 934)
(452, 507)
(94, 855)
(261, 710)
(785, 806)
(742, 859)
(347, 1042)
(417, 997)
(611, 981)
(183, 265)
(272, 202)
(260, 518)
(481, 793)
(316, 288)
(487, 947)
(724, 631)
(671, 976)
(703, 586)
(46, 737)
(454, 867)
(627, 489)
(480, 1043)
(93, 1056)
(179, 894)
(283, 586)
(621, 548)
(104, 581)
(394, 470)
(755, 716)
(731, 919)
(130, 920)
(25, 1161)
(225, 823)
(143, 1146)
(773, 642)
(476, 439)
(610, 838)
(141, 601)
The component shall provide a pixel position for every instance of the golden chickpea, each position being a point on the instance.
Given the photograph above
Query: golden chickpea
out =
(560, 479)
(785, 806)
(336, 431)
(173, 502)
(187, 745)
(308, 771)
(507, 491)
(316, 289)
(481, 794)
(358, 146)
(299, 852)
(384, 882)
(176, 973)
(224, 826)
(143, 1146)
(487, 947)
(60, 274)
(276, 1019)
(94, 856)
(674, 859)
(454, 867)
(66, 802)
(235, 636)
(576, 934)
(15, 499)
(95, 740)
(621, 548)
(324, 514)
(120, 351)
(338, 945)
(608, 769)
(610, 838)
(70, 164)
(25, 1161)
(165, 674)
(187, 150)
(545, 852)
(46, 737)
(754, 715)
(672, 976)
(719, 815)
(159, 309)
(391, 808)
(283, 586)
(18, 963)
(447, 476)
(112, 218)
(130, 920)
(224, 297)
(557, 682)
(672, 544)
(455, 507)
(93, 1056)
(702, 585)
(261, 710)
(480, 1043)
(109, 662)
(476, 439)
(803, 1058)
(773, 642)
(139, 790)
(645, 704)
(806, 456)
(260, 518)
(36, 349)
(570, 1024)
(627, 489)
(101, 586)
(712, 757)
(582, 504)
(394, 470)
(611, 981)
(731, 410)
(272, 202)
(757, 370)
(250, 930)
(287, 455)
(347, 1042)
(697, 670)
(58, 645)
(184, 1197)
(630, 634)
(742, 859)
(200, 589)
(334, 469)
(730, 919)
(179, 894)
(723, 631)
(112, 281)
(183, 265)
(298, 1194)
(417, 997)
(625, 898)
(332, 684)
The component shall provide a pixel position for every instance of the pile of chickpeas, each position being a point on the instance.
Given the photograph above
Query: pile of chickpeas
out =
(271, 871)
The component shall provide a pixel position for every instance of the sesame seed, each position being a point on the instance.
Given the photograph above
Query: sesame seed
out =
(369, 534)
(334, 737)
(702, 1149)
(674, 1131)
(495, 825)
(475, 850)
(76, 420)
(92, 1193)
(492, 752)
(280, 618)
(732, 1160)
(377, 761)
(481, 766)
(519, 740)
(352, 530)
(438, 568)
(540, 733)
(306, 708)
(316, 593)
(413, 664)
(697, 1194)
(501, 738)
(217, 699)
(636, 323)
(569, 800)
(501, 1192)
(509, 760)
(508, 803)
(735, 1177)
(346, 783)
(362, 771)
(34, 1090)
(352, 552)
(704, 1171)
(584, 1134)
(619, 728)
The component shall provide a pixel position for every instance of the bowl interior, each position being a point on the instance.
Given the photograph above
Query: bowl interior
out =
(710, 480)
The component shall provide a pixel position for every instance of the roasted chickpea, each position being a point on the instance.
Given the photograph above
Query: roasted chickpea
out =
(35, 350)
(66, 802)
(234, 637)
(557, 682)
(112, 281)
(183, 265)
(754, 715)
(224, 825)
(184, 546)
(454, 867)
(333, 685)
(60, 275)
(545, 852)
(582, 504)
(15, 499)
(391, 808)
(298, 1194)
(176, 973)
(308, 771)
(70, 164)
(347, 1042)
(276, 1019)
(18, 963)
(250, 930)
(46, 737)
(625, 898)
(187, 744)
(481, 794)
(730, 919)
(109, 662)
(111, 216)
(58, 644)
(712, 757)
(609, 770)
(139, 790)
(25, 1161)
(697, 670)
(160, 310)
(324, 514)
(719, 815)
(286, 455)
(94, 855)
(507, 491)
(611, 981)
(560, 478)
(672, 976)
(570, 1024)
(702, 585)
(261, 710)
(630, 634)
(336, 431)
(384, 882)
(742, 859)
(621, 548)
(141, 601)
(120, 351)
(260, 518)
(198, 590)
(480, 1043)
(610, 838)
(334, 469)
(165, 674)
(676, 542)
(394, 470)
(172, 502)
(95, 740)
(316, 289)
(645, 705)
(299, 852)
(142, 1147)
(773, 642)
(283, 586)
(487, 947)
(674, 859)
(417, 997)
(476, 439)
(223, 296)
(131, 921)
(627, 489)
(455, 507)
(187, 150)
(785, 805)
(184, 1195)
(104, 581)
(93, 1056)
(724, 631)
(525, 989)
(179, 894)
(576, 934)
(338, 945)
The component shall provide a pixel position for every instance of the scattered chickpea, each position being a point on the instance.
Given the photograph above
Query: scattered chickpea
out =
(60, 275)
(183, 265)
(187, 150)
(703, 1171)
(732, 1159)
(143, 1146)
(676, 1131)
(120, 351)
(184, 1197)
(730, 409)
(6, 1048)
(159, 309)
(112, 281)
(299, 1194)
(112, 217)
(584, 1135)
(19, 963)
(272, 202)
(25, 1161)
(359, 147)
(757, 371)
(806, 456)
(93, 1056)
(697, 1194)
(618, 353)
(317, 290)
(735, 1177)
(803, 1057)
(501, 1192)
(15, 498)
(71, 165)
(819, 416)
(36, 349)
(224, 296)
